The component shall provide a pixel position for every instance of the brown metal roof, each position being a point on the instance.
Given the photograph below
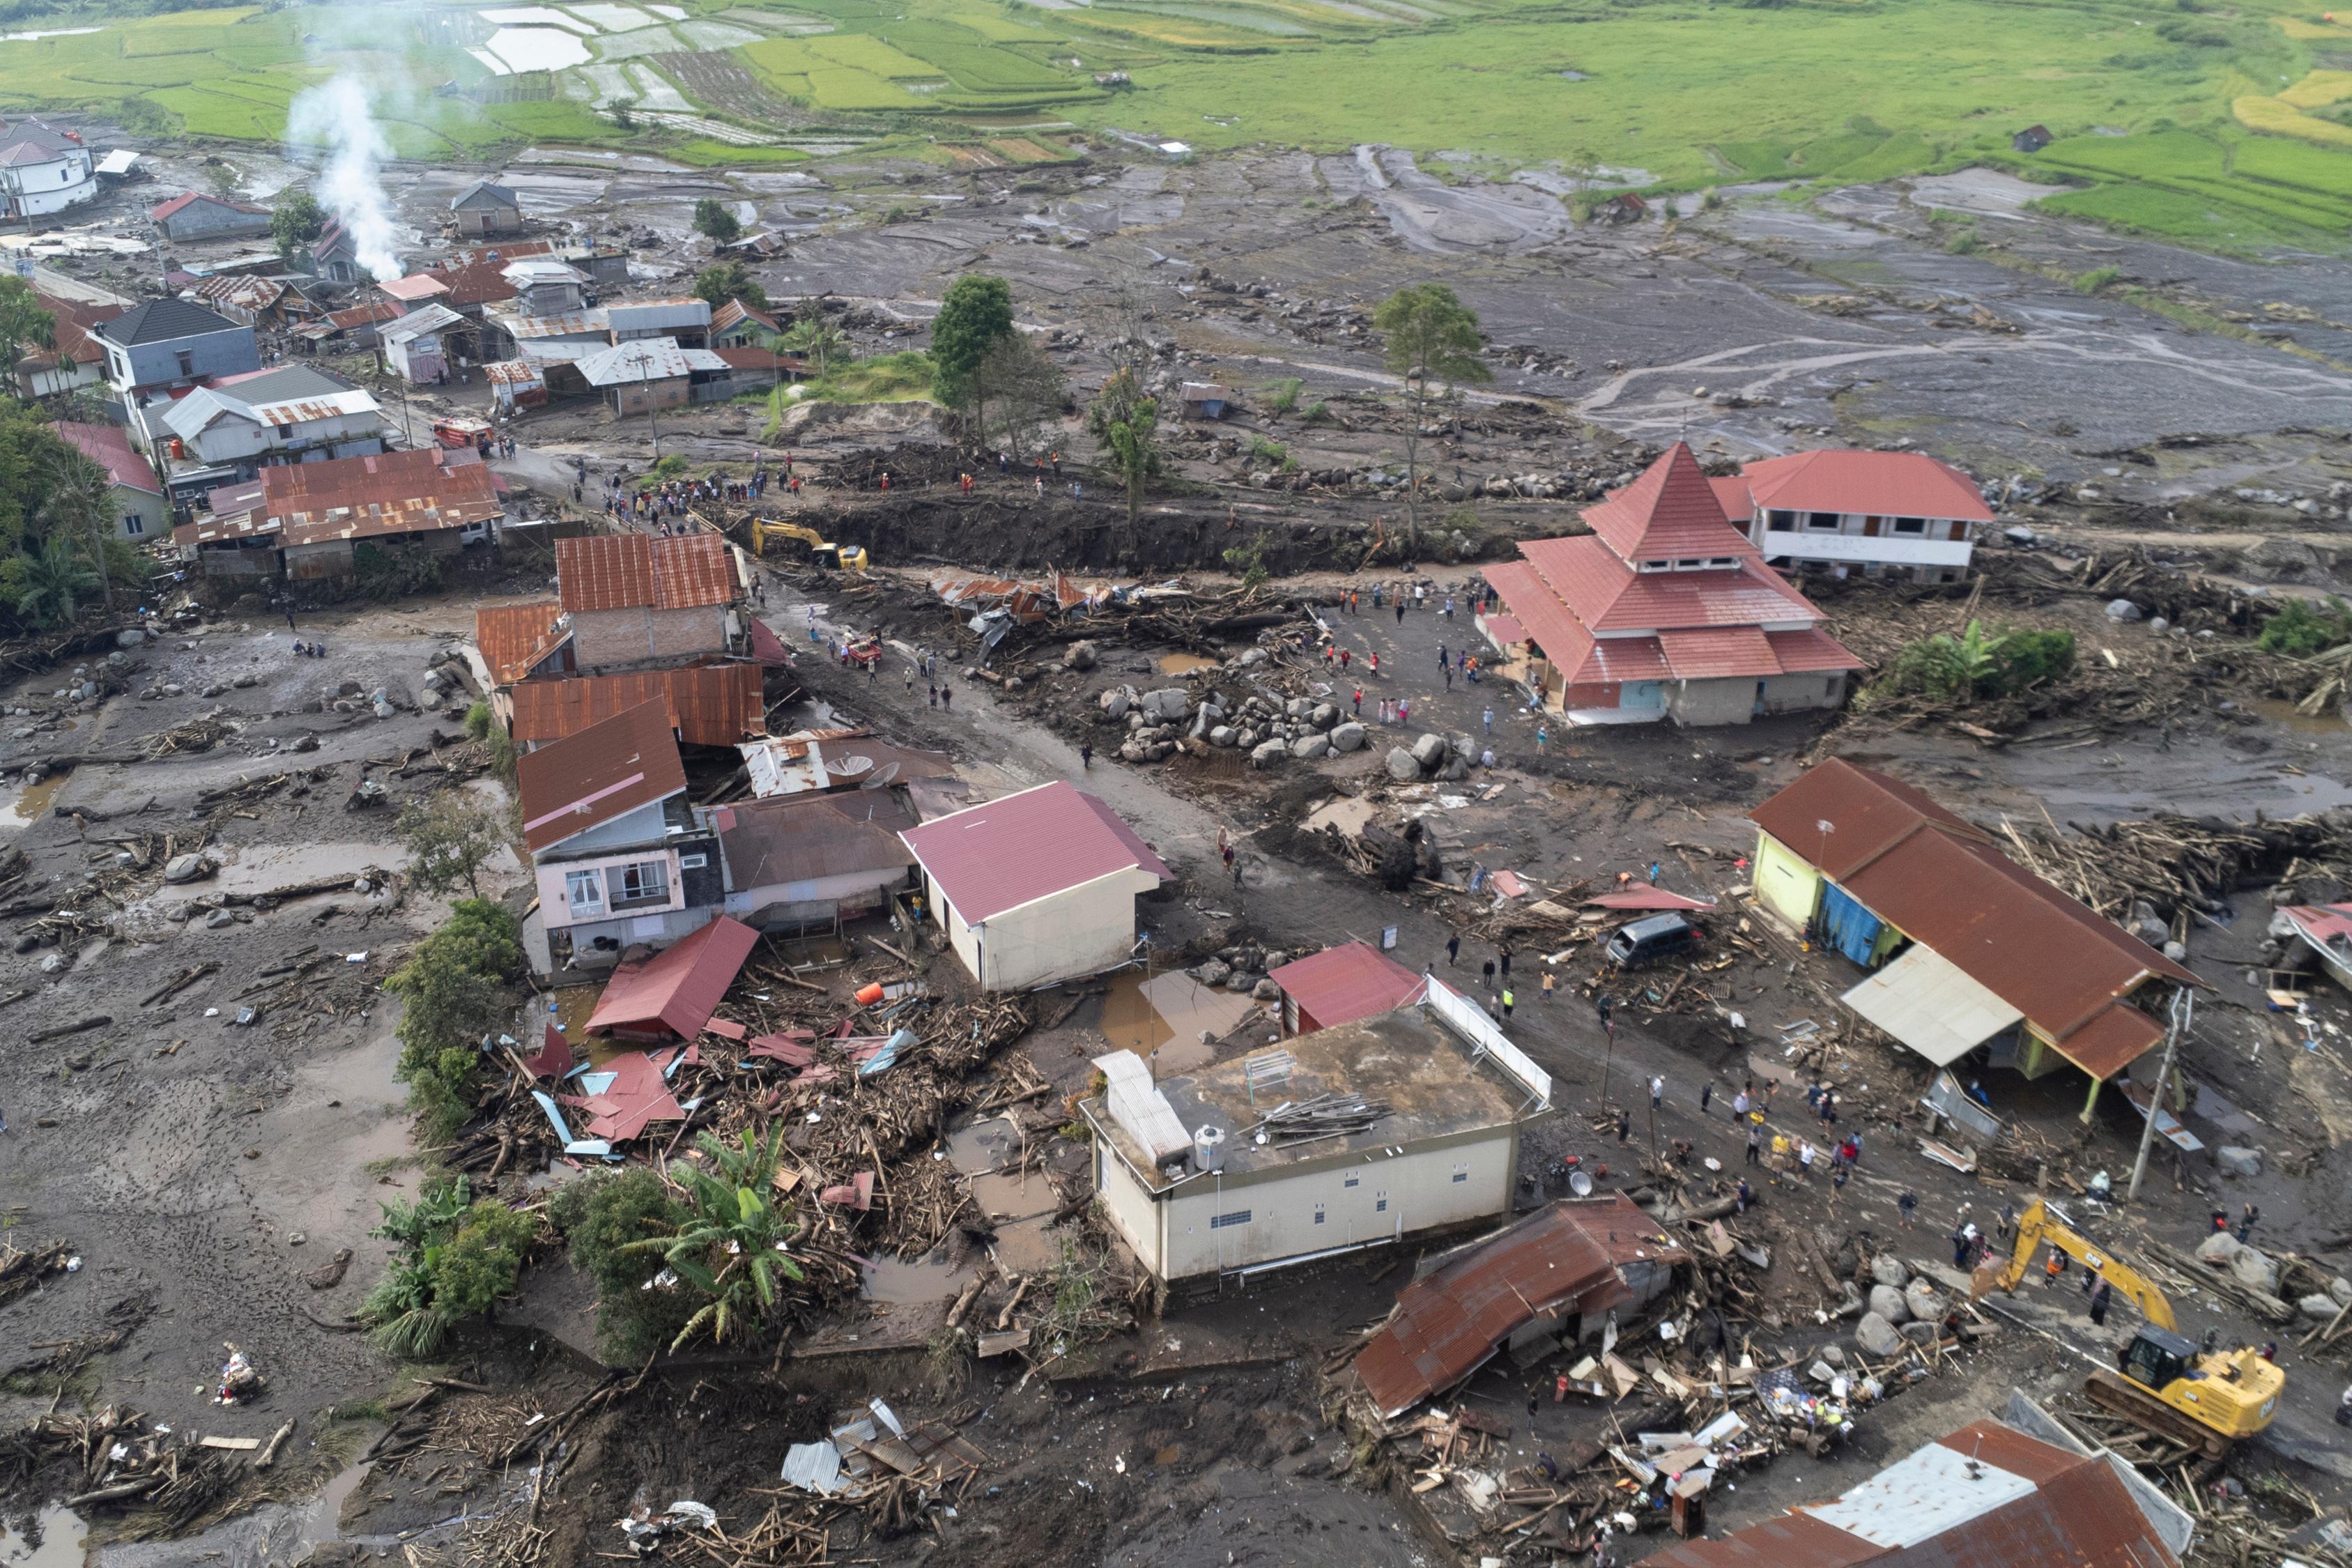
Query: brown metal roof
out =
(513, 638)
(605, 771)
(710, 704)
(624, 571)
(1562, 1258)
(805, 837)
(368, 497)
(1340, 985)
(1941, 882)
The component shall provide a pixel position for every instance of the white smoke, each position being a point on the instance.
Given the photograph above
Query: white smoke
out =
(338, 117)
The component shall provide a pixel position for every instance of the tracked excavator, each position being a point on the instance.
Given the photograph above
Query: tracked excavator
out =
(2163, 1381)
(823, 551)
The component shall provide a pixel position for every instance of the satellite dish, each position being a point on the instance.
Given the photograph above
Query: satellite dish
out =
(848, 767)
(1580, 1184)
(880, 778)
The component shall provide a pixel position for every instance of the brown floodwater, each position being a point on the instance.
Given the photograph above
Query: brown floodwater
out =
(1166, 1013)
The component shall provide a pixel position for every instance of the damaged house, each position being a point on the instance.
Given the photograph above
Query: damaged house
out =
(312, 520)
(638, 601)
(1397, 1126)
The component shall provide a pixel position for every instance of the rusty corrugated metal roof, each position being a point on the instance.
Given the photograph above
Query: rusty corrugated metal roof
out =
(513, 638)
(710, 704)
(365, 497)
(1566, 1256)
(604, 772)
(624, 571)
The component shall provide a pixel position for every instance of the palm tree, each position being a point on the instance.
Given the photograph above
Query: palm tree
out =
(24, 324)
(730, 1245)
(814, 338)
(79, 507)
(55, 576)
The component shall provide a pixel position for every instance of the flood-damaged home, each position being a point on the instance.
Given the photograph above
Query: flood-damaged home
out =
(1987, 1495)
(484, 207)
(1901, 514)
(798, 861)
(655, 374)
(1035, 887)
(638, 601)
(720, 703)
(423, 346)
(1664, 610)
(73, 359)
(1340, 985)
(1401, 1125)
(736, 325)
(232, 426)
(43, 170)
(1553, 1281)
(2323, 931)
(193, 215)
(306, 522)
(161, 348)
(1969, 955)
(616, 848)
(669, 996)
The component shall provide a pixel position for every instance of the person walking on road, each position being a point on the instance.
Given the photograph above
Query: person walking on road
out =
(1086, 758)
(1755, 1145)
(1452, 953)
(1657, 1092)
(1486, 974)
(1488, 719)
(2099, 1299)
(2247, 1218)
(1706, 1096)
(1739, 1105)
(1548, 983)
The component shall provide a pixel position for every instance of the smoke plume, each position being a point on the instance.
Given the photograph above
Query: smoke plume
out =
(338, 117)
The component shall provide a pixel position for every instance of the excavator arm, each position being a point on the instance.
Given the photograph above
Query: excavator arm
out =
(2043, 1223)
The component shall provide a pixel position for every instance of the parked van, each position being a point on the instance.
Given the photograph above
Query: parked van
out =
(1646, 940)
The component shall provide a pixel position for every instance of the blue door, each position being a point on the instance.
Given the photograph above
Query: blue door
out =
(1846, 925)
(1642, 694)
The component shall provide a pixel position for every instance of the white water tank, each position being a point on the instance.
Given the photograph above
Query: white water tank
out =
(1209, 1149)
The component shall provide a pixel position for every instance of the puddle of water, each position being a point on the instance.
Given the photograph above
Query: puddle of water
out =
(572, 1006)
(261, 867)
(2279, 710)
(325, 1522)
(977, 1151)
(63, 1539)
(1027, 1248)
(890, 1280)
(1349, 813)
(35, 800)
(1184, 663)
(1163, 1018)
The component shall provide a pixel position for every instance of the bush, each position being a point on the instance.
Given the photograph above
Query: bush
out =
(2306, 626)
(1282, 395)
(1975, 664)
(1964, 243)
(459, 1257)
(451, 998)
(385, 574)
(600, 1217)
(2096, 278)
(1249, 559)
(1265, 451)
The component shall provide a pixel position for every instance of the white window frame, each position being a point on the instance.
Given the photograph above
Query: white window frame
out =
(634, 872)
(1913, 527)
(573, 881)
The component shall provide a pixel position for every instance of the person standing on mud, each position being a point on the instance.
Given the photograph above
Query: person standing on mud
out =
(1452, 953)
(1085, 758)
(1400, 611)
(1486, 974)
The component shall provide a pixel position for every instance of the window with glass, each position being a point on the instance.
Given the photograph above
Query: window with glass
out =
(639, 883)
(585, 890)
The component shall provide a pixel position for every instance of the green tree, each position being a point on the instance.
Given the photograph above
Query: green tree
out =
(79, 508)
(724, 280)
(55, 576)
(2302, 627)
(25, 323)
(818, 341)
(449, 838)
(730, 1244)
(451, 998)
(457, 1256)
(975, 316)
(1126, 424)
(600, 1217)
(297, 220)
(1431, 336)
(715, 220)
(478, 1266)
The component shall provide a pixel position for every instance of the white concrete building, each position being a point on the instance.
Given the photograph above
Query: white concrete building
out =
(43, 170)
(1199, 1181)
(1899, 512)
(1036, 887)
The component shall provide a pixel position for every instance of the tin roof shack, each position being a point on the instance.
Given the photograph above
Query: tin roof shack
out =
(616, 848)
(483, 207)
(421, 345)
(1559, 1271)
(1987, 1495)
(1036, 887)
(1969, 951)
(655, 374)
(1392, 1126)
(639, 602)
(1340, 985)
(318, 520)
(802, 860)
(821, 760)
(240, 424)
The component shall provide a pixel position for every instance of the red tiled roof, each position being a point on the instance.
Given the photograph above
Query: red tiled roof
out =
(676, 990)
(1731, 495)
(1940, 881)
(1714, 652)
(109, 448)
(1614, 661)
(70, 342)
(735, 312)
(710, 704)
(623, 571)
(1023, 848)
(1450, 1320)
(1876, 484)
(766, 361)
(1640, 898)
(1340, 985)
(1670, 512)
(1537, 608)
(1504, 630)
(1608, 595)
(605, 771)
(1814, 649)
(513, 638)
(186, 197)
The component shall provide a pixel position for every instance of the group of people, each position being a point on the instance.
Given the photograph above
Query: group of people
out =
(673, 498)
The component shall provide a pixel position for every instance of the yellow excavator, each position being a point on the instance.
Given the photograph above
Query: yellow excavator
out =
(2163, 1382)
(822, 551)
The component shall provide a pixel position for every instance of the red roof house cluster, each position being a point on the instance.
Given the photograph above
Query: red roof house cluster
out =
(1666, 610)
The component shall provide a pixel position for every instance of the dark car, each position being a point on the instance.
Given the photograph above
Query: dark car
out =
(1646, 940)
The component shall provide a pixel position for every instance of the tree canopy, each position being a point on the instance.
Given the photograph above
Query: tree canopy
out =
(715, 219)
(1429, 335)
(297, 220)
(974, 317)
(724, 280)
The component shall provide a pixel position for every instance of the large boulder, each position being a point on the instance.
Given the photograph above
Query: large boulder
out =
(186, 868)
(1923, 1301)
(2319, 1307)
(1079, 655)
(1348, 737)
(2252, 1268)
(1269, 752)
(1309, 746)
(1877, 1336)
(1224, 736)
(1403, 766)
(1117, 701)
(1429, 751)
(1323, 716)
(2235, 1160)
(1888, 1302)
(1887, 1269)
(1167, 705)
(2341, 1289)
(2218, 1247)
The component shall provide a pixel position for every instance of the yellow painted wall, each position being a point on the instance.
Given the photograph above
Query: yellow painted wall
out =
(1786, 880)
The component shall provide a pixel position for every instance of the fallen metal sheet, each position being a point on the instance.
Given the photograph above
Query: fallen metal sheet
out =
(813, 1467)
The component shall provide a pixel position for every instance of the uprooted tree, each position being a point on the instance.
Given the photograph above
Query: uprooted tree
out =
(1126, 422)
(1430, 336)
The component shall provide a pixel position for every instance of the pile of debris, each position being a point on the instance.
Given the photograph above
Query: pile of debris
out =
(2181, 865)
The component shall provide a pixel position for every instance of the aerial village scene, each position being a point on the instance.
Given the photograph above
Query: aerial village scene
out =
(1297, 783)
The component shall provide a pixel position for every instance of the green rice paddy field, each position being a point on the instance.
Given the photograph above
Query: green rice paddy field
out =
(2227, 125)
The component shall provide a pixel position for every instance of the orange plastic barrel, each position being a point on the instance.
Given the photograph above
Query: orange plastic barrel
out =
(868, 996)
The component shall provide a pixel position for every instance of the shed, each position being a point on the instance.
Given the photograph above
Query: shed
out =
(192, 216)
(1205, 400)
(1340, 985)
(2032, 139)
(483, 207)
(516, 383)
(1036, 887)
(672, 995)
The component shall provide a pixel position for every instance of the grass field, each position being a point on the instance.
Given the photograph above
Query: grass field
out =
(2227, 125)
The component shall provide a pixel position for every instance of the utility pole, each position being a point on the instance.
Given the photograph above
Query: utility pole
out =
(645, 365)
(2184, 1007)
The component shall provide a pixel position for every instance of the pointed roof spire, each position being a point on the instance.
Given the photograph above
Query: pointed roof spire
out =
(1670, 512)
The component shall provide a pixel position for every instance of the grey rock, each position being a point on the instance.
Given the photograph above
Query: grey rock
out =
(2252, 1267)
(1250, 656)
(1213, 973)
(1269, 752)
(2218, 1247)
(1167, 705)
(2123, 610)
(131, 638)
(2175, 951)
(1456, 770)
(1309, 746)
(1117, 701)
(1348, 737)
(1078, 656)
(1224, 736)
(186, 868)
(1923, 1301)
(305, 743)
(1889, 1303)
(1403, 766)
(1920, 1330)
(246, 681)
(1266, 991)
(1323, 716)
(1877, 1336)
(1889, 1271)
(55, 964)
(2238, 1161)
(1429, 751)
(2341, 1289)
(2158, 624)
(2018, 535)
(1833, 1354)
(218, 919)
(387, 711)
(2319, 1307)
